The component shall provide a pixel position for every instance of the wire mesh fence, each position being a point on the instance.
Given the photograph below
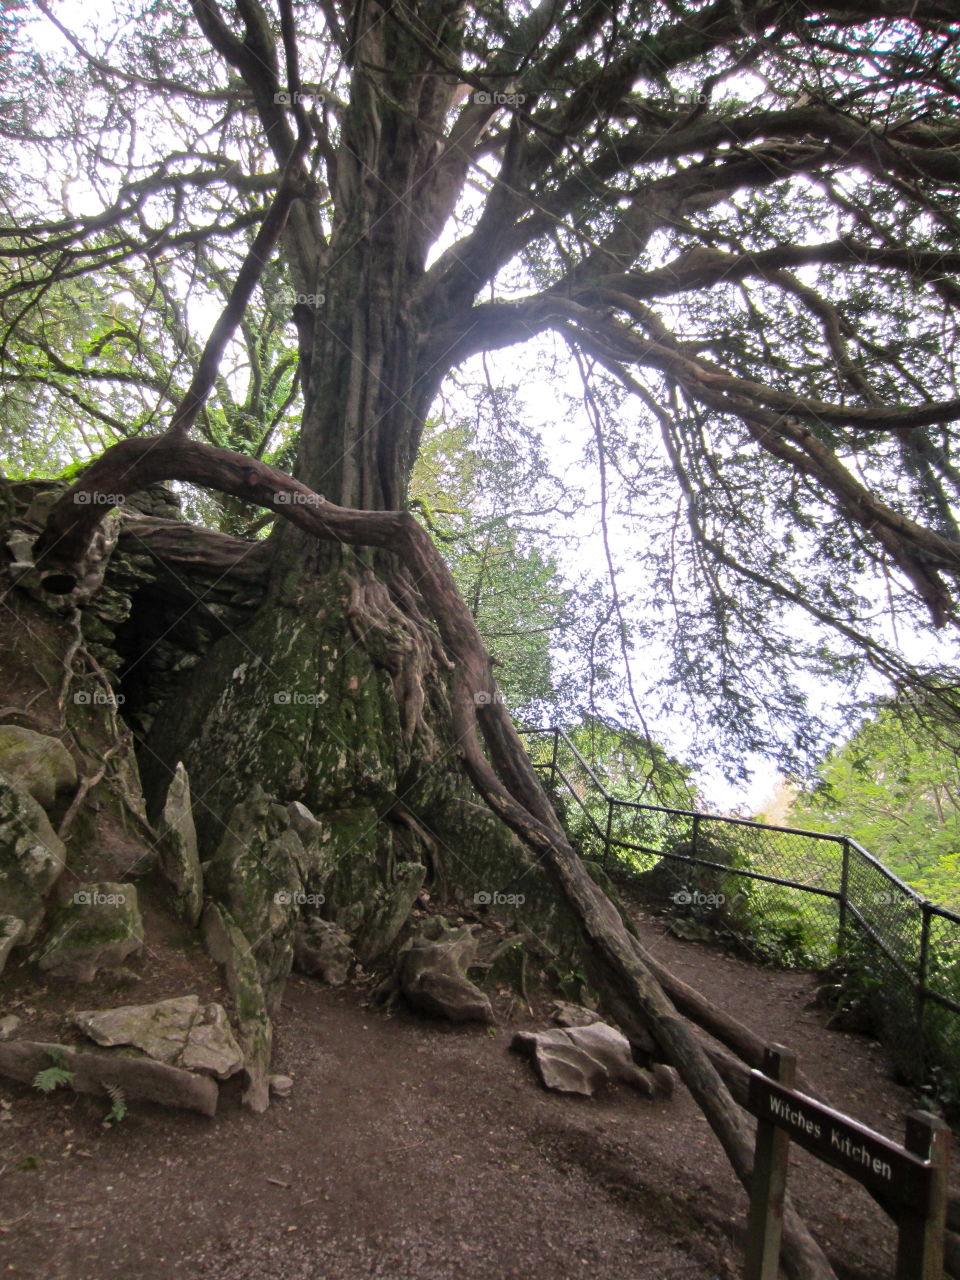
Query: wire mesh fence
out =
(800, 897)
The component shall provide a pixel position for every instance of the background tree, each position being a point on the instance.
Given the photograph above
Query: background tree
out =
(894, 786)
(487, 510)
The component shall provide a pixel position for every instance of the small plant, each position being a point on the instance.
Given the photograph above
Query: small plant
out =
(54, 1077)
(118, 1106)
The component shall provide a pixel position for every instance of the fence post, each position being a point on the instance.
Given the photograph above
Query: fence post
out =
(607, 860)
(695, 836)
(844, 876)
(553, 759)
(922, 967)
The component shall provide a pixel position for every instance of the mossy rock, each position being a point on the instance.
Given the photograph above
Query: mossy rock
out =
(98, 928)
(39, 764)
(11, 932)
(32, 857)
(227, 945)
(385, 922)
(255, 875)
(177, 848)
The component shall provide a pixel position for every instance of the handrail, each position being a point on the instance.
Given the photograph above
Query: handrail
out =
(891, 875)
(939, 908)
(723, 817)
(915, 1031)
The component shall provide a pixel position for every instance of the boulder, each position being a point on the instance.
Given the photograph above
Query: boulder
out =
(322, 949)
(581, 1059)
(255, 875)
(211, 1046)
(97, 929)
(384, 923)
(178, 858)
(32, 857)
(180, 1032)
(12, 930)
(432, 974)
(40, 765)
(141, 1079)
(316, 860)
(281, 1086)
(228, 946)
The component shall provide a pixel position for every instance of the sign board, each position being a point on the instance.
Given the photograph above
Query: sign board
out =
(910, 1181)
(873, 1160)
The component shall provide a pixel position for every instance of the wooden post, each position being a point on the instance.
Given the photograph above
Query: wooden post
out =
(920, 1241)
(771, 1154)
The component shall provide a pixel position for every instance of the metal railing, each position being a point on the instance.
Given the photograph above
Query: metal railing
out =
(801, 897)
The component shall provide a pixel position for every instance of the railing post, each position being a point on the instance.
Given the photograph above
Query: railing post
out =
(922, 985)
(695, 837)
(553, 759)
(844, 875)
(606, 840)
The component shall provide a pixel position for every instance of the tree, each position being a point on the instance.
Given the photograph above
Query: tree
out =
(894, 786)
(474, 500)
(744, 217)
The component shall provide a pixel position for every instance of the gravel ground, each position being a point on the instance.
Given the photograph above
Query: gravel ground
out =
(409, 1149)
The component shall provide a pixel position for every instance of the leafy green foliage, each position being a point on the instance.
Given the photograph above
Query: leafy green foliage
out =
(895, 787)
(479, 502)
(632, 767)
(118, 1106)
(745, 242)
(56, 1077)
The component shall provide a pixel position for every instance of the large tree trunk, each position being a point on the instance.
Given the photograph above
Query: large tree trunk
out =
(335, 693)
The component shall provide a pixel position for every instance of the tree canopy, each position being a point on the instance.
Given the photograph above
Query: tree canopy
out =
(726, 233)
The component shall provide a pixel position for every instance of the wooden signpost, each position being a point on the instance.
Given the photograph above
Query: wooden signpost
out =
(909, 1181)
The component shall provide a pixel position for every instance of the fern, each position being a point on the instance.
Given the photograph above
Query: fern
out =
(53, 1077)
(118, 1108)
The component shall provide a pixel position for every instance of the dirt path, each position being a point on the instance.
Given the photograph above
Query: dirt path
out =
(409, 1149)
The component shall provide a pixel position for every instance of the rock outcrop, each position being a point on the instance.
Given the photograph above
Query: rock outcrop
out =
(227, 945)
(32, 857)
(12, 930)
(38, 763)
(322, 950)
(256, 875)
(177, 849)
(383, 925)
